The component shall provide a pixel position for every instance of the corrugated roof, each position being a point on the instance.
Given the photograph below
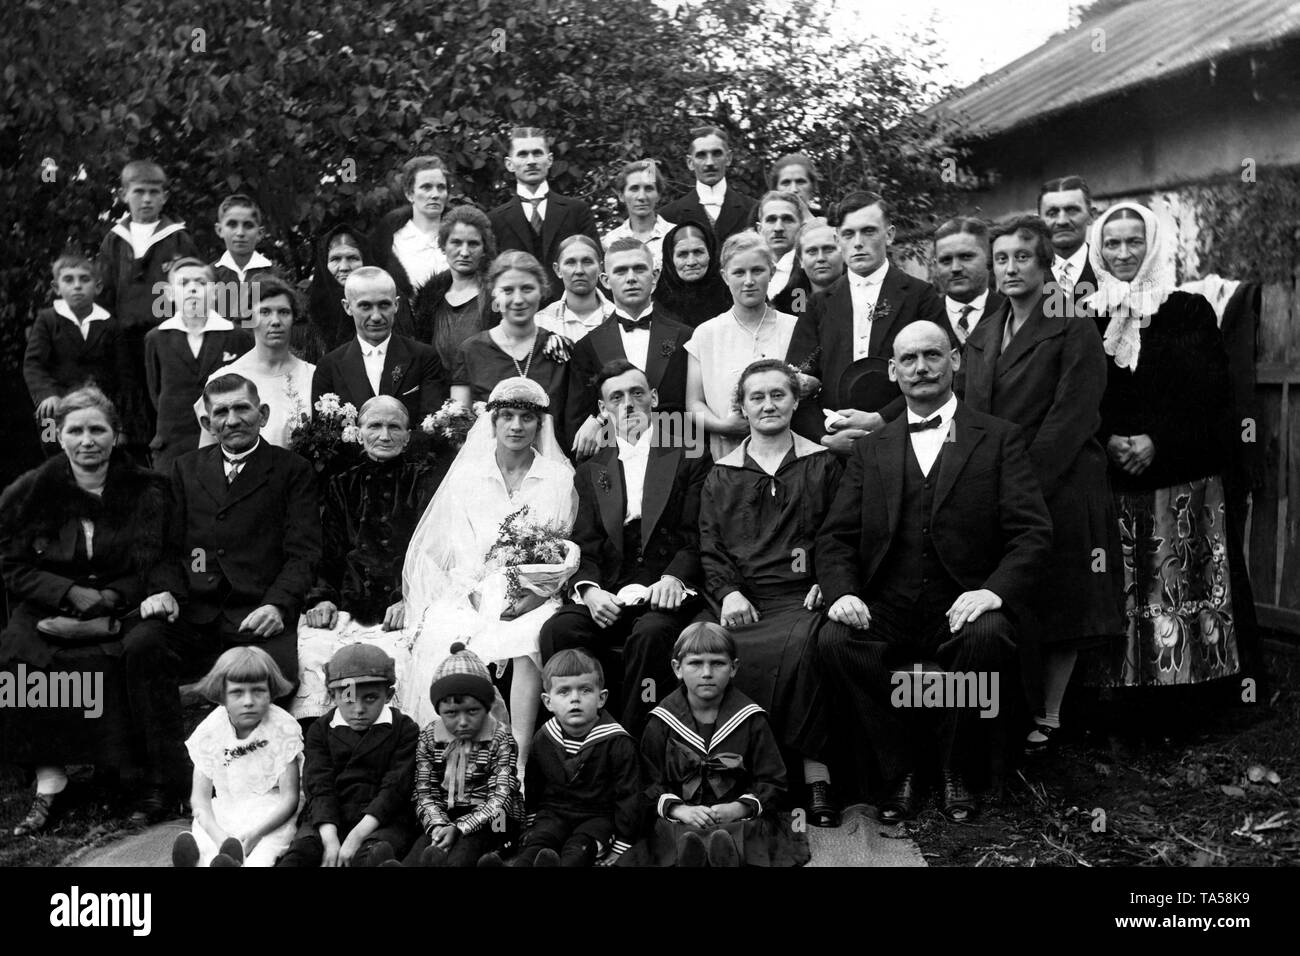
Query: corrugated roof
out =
(1144, 41)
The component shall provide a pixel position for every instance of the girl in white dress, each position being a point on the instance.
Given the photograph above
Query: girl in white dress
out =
(723, 347)
(247, 758)
(452, 594)
(283, 380)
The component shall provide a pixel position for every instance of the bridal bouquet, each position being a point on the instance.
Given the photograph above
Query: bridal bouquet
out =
(532, 557)
(451, 423)
(320, 438)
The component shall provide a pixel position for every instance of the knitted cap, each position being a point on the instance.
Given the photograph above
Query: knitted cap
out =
(359, 664)
(462, 675)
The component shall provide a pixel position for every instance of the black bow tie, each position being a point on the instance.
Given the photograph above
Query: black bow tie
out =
(630, 324)
(927, 424)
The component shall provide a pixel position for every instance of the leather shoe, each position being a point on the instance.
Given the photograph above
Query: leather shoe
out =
(822, 811)
(958, 802)
(151, 808)
(903, 803)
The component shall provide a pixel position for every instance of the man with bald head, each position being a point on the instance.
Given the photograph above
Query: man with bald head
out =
(929, 553)
(379, 361)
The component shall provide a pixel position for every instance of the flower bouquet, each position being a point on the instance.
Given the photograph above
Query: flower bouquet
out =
(528, 558)
(320, 438)
(450, 424)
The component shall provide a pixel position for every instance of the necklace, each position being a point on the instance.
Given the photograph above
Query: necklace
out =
(756, 330)
(522, 370)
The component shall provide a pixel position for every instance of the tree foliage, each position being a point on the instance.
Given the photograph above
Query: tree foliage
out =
(312, 105)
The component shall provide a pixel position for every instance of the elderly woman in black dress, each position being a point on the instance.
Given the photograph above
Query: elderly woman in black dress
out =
(759, 513)
(369, 513)
(690, 285)
(1046, 371)
(1168, 426)
(78, 537)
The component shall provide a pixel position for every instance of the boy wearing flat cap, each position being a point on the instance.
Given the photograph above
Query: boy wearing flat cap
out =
(466, 785)
(358, 769)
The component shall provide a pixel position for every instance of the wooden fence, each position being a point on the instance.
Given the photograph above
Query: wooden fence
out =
(1273, 545)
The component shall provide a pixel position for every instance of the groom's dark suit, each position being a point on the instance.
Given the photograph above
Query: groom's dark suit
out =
(614, 554)
(665, 369)
(908, 544)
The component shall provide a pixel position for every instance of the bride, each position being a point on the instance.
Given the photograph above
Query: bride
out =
(510, 460)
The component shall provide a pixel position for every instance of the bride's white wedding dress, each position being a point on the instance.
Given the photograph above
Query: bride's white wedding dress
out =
(451, 594)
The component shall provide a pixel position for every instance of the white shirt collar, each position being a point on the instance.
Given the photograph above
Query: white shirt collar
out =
(231, 456)
(627, 450)
(97, 312)
(945, 413)
(867, 281)
(385, 717)
(1076, 261)
(786, 263)
(381, 348)
(255, 261)
(711, 195)
(213, 323)
(541, 192)
(976, 304)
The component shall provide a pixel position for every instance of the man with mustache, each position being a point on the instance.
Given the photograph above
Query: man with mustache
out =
(637, 525)
(243, 544)
(536, 219)
(846, 336)
(930, 552)
(638, 331)
(1065, 204)
(726, 210)
(379, 361)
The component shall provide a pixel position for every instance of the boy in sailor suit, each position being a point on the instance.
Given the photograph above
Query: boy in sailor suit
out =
(713, 767)
(582, 786)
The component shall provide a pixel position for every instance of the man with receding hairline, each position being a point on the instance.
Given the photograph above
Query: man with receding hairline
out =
(930, 551)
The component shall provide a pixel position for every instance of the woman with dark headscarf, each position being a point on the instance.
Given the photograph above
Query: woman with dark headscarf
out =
(690, 285)
(340, 251)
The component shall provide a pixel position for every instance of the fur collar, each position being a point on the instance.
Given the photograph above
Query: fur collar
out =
(43, 500)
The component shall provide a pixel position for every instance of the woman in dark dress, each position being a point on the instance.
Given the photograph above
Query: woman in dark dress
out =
(1167, 422)
(690, 285)
(369, 513)
(515, 346)
(759, 513)
(455, 305)
(1046, 372)
(78, 536)
(340, 251)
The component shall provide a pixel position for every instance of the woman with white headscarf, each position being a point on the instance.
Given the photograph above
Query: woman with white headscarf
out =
(452, 592)
(1167, 424)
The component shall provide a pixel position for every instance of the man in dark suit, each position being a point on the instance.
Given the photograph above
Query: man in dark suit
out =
(379, 361)
(243, 544)
(638, 331)
(930, 552)
(961, 271)
(850, 328)
(712, 200)
(536, 219)
(637, 524)
(1065, 204)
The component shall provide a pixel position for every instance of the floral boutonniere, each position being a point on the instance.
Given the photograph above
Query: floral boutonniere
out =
(668, 347)
(881, 311)
(602, 479)
(397, 375)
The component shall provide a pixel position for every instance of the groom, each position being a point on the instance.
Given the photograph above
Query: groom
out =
(637, 524)
(929, 553)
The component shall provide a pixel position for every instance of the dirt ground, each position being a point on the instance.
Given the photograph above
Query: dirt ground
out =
(1218, 785)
